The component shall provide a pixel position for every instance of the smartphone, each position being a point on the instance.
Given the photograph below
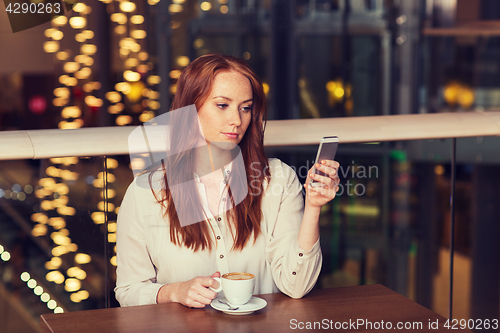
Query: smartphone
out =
(326, 151)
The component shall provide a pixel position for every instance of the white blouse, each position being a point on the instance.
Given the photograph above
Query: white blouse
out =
(147, 259)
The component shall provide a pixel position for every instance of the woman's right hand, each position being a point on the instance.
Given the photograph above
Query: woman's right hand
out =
(193, 293)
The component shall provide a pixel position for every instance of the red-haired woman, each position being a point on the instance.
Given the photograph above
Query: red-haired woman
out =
(269, 232)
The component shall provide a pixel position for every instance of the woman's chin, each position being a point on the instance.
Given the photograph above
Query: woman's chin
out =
(224, 145)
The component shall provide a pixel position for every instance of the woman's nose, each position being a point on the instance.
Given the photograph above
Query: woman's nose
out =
(235, 118)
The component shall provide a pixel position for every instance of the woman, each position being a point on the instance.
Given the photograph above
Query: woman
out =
(269, 232)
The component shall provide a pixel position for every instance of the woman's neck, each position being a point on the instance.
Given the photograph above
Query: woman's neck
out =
(210, 158)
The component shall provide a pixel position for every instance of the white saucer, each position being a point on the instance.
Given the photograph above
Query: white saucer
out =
(254, 304)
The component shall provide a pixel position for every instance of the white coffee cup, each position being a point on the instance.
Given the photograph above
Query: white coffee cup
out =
(238, 287)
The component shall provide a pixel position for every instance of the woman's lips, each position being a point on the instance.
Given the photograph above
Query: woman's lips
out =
(231, 135)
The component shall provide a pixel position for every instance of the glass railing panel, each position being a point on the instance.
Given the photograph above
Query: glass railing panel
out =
(52, 233)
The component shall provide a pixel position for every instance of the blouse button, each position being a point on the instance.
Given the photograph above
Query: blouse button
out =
(218, 219)
(301, 254)
(224, 199)
(218, 237)
(293, 273)
(222, 257)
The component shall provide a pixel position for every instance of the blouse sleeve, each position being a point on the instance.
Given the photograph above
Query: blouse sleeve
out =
(294, 270)
(136, 274)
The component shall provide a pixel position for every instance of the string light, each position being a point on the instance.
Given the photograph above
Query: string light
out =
(80, 38)
(127, 6)
(97, 217)
(60, 21)
(62, 92)
(48, 32)
(51, 46)
(39, 291)
(146, 116)
(138, 34)
(137, 19)
(175, 8)
(39, 230)
(52, 304)
(88, 49)
(76, 272)
(5, 256)
(57, 35)
(45, 297)
(119, 18)
(182, 61)
(71, 67)
(123, 120)
(77, 22)
(205, 6)
(131, 76)
(82, 258)
(79, 69)
(79, 8)
(120, 30)
(62, 55)
(89, 34)
(131, 62)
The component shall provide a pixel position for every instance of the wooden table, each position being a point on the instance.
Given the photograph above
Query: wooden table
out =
(337, 308)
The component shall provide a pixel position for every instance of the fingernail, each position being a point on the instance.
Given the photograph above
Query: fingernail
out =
(318, 165)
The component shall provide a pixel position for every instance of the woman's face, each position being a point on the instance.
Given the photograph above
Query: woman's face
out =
(227, 111)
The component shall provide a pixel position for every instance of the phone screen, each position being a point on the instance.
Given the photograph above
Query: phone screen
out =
(326, 151)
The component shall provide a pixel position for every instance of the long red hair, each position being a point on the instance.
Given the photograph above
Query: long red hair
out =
(193, 87)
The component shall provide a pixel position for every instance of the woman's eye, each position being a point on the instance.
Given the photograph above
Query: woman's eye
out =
(247, 109)
(222, 105)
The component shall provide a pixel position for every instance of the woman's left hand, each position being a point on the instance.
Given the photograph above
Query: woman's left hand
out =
(327, 186)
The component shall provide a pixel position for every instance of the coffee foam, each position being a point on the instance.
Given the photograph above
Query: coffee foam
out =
(238, 276)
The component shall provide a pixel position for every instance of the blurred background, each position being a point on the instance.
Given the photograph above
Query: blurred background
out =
(114, 63)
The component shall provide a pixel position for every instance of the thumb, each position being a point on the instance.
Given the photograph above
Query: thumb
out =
(216, 275)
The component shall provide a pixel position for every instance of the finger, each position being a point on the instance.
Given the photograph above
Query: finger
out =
(201, 286)
(200, 294)
(324, 191)
(331, 163)
(195, 298)
(204, 295)
(215, 284)
(327, 169)
(216, 275)
(324, 181)
(312, 170)
(207, 281)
